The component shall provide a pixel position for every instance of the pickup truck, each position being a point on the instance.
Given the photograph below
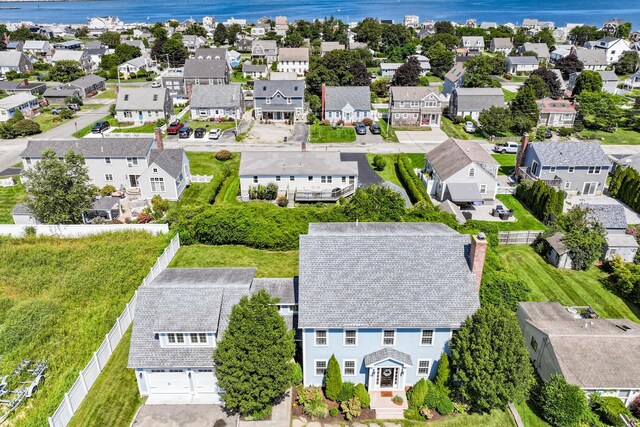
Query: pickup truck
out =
(509, 147)
(174, 128)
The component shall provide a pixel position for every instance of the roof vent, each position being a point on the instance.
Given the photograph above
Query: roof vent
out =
(482, 236)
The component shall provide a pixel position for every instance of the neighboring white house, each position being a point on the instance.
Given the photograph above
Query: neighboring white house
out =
(217, 102)
(463, 172)
(474, 44)
(592, 59)
(347, 103)
(614, 48)
(105, 23)
(80, 56)
(23, 101)
(388, 69)
(168, 175)
(133, 66)
(502, 45)
(577, 343)
(294, 59)
(521, 64)
(40, 48)
(302, 176)
(470, 101)
(257, 71)
(143, 105)
(632, 82)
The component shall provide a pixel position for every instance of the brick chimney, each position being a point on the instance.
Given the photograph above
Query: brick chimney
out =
(25, 82)
(477, 256)
(116, 89)
(158, 137)
(189, 91)
(324, 91)
(524, 143)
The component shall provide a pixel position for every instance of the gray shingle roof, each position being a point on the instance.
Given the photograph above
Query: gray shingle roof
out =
(555, 241)
(293, 54)
(251, 68)
(216, 96)
(502, 43)
(337, 97)
(478, 99)
(10, 58)
(621, 240)
(541, 49)
(611, 216)
(288, 88)
(571, 153)
(609, 76)
(169, 160)
(284, 289)
(61, 92)
(522, 60)
(592, 57)
(295, 163)
(205, 68)
(387, 353)
(103, 147)
(414, 93)
(86, 81)
(141, 98)
(452, 155)
(105, 203)
(388, 275)
(455, 73)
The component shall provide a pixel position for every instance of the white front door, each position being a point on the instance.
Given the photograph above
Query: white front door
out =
(169, 382)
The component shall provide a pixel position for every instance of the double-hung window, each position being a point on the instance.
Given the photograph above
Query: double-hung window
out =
(349, 368)
(426, 337)
(424, 366)
(388, 337)
(321, 367)
(157, 184)
(350, 337)
(321, 338)
(132, 161)
(198, 338)
(173, 338)
(108, 177)
(472, 172)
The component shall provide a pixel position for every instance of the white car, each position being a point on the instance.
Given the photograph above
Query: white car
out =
(469, 127)
(215, 133)
(156, 84)
(509, 147)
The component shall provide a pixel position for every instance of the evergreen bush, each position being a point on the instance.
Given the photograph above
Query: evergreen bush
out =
(362, 394)
(333, 379)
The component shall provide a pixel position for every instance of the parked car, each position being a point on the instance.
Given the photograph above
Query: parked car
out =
(199, 133)
(156, 84)
(361, 129)
(375, 129)
(548, 134)
(185, 132)
(73, 107)
(215, 133)
(469, 127)
(174, 128)
(56, 111)
(100, 126)
(509, 147)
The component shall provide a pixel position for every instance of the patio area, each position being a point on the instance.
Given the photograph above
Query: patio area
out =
(483, 213)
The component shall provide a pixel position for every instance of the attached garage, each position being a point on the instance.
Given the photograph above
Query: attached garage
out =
(175, 381)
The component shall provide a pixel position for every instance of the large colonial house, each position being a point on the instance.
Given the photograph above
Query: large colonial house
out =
(279, 100)
(415, 106)
(347, 103)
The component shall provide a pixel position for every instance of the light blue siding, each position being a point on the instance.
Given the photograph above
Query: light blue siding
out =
(369, 341)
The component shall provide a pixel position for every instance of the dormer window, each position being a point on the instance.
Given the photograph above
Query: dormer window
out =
(126, 96)
(175, 338)
(155, 97)
(198, 338)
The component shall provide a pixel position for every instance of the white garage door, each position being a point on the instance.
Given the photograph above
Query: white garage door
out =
(205, 381)
(174, 382)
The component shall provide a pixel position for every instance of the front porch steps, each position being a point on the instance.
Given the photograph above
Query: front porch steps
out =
(385, 408)
(390, 413)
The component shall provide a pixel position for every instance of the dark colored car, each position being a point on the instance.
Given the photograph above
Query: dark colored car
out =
(361, 129)
(548, 134)
(100, 126)
(199, 133)
(185, 132)
(375, 129)
(174, 128)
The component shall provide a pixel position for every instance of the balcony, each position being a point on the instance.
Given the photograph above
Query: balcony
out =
(524, 174)
(323, 196)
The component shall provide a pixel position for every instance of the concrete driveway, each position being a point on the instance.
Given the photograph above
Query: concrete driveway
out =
(183, 416)
(433, 136)
(369, 138)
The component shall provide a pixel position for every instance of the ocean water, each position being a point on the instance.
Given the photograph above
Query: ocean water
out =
(592, 12)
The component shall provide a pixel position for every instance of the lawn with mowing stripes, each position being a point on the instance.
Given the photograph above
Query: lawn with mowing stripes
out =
(9, 196)
(568, 287)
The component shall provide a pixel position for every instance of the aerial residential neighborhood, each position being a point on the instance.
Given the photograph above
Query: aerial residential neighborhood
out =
(255, 221)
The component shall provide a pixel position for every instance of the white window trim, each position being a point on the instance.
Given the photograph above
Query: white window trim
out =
(355, 367)
(472, 172)
(567, 185)
(571, 169)
(344, 338)
(552, 169)
(418, 374)
(108, 177)
(315, 366)
(315, 338)
(433, 338)
(395, 336)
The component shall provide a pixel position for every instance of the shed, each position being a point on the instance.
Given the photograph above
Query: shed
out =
(557, 252)
(623, 245)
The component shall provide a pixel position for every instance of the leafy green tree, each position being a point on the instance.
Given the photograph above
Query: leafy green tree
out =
(369, 31)
(569, 65)
(502, 288)
(373, 204)
(451, 41)
(110, 38)
(478, 72)
(584, 236)
(176, 50)
(66, 71)
(583, 33)
(440, 58)
(624, 30)
(396, 35)
(232, 33)
(408, 73)
(294, 38)
(253, 357)
(551, 80)
(562, 404)
(337, 68)
(628, 63)
(196, 30)
(496, 120)
(220, 34)
(58, 190)
(444, 27)
(490, 362)
(127, 52)
(110, 60)
(333, 379)
(524, 105)
(443, 375)
(380, 87)
(82, 32)
(588, 80)
(601, 110)
(544, 36)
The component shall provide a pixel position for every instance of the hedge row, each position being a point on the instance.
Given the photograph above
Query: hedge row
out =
(217, 182)
(543, 201)
(410, 181)
(625, 185)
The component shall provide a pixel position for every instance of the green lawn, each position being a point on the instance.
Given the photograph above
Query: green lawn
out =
(205, 163)
(59, 298)
(389, 172)
(229, 191)
(114, 398)
(507, 163)
(495, 419)
(568, 287)
(211, 125)
(107, 94)
(620, 136)
(387, 132)
(268, 263)
(457, 131)
(526, 220)
(87, 129)
(323, 134)
(508, 95)
(529, 416)
(48, 121)
(145, 128)
(9, 196)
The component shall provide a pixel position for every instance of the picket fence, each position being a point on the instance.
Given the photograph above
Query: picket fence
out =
(525, 237)
(88, 376)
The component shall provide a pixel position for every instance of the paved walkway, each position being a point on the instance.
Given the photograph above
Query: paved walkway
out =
(304, 422)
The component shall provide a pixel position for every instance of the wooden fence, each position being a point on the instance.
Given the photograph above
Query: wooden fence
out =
(525, 237)
(88, 376)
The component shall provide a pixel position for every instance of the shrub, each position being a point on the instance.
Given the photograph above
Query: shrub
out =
(444, 405)
(30, 231)
(413, 414)
(540, 134)
(562, 404)
(223, 155)
(397, 399)
(73, 100)
(609, 409)
(161, 122)
(362, 394)
(347, 391)
(565, 131)
(316, 409)
(112, 110)
(635, 407)
(426, 412)
(107, 190)
(351, 408)
(333, 379)
(410, 181)
(260, 415)
(544, 201)
(443, 375)
(367, 122)
(468, 118)
(379, 162)
(416, 395)
(334, 412)
(65, 114)
(297, 373)
(27, 127)
(264, 192)
(282, 201)
(144, 218)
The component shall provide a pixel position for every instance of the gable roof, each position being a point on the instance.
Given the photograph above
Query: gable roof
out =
(35, 44)
(451, 156)
(210, 53)
(102, 147)
(170, 160)
(16, 100)
(455, 73)
(608, 76)
(248, 67)
(216, 96)
(295, 163)
(502, 43)
(86, 81)
(479, 98)
(293, 54)
(337, 97)
(591, 57)
(141, 98)
(288, 88)
(611, 216)
(571, 153)
(400, 274)
(387, 353)
(522, 60)
(10, 58)
(205, 68)
(414, 93)
(550, 105)
(541, 49)
(68, 55)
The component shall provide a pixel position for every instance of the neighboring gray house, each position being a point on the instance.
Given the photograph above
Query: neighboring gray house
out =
(23, 102)
(347, 103)
(592, 59)
(463, 172)
(521, 64)
(575, 167)
(453, 79)
(58, 94)
(14, 61)
(168, 175)
(279, 100)
(592, 353)
(609, 81)
(88, 85)
(415, 106)
(425, 65)
(475, 44)
(143, 105)
(264, 50)
(613, 219)
(18, 86)
(193, 42)
(217, 102)
(471, 101)
(556, 112)
(540, 49)
(388, 69)
(209, 66)
(326, 47)
(259, 71)
(502, 45)
(79, 56)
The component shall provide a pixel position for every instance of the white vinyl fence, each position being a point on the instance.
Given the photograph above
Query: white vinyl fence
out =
(88, 376)
(201, 178)
(7, 182)
(526, 237)
(79, 230)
